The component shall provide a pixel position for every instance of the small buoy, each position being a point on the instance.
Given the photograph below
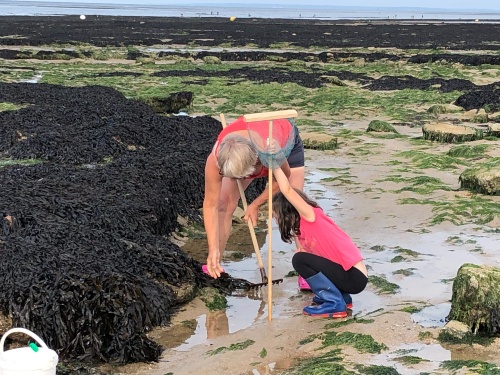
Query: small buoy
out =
(82, 17)
(232, 18)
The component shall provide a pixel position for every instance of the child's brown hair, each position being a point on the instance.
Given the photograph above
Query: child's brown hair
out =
(287, 216)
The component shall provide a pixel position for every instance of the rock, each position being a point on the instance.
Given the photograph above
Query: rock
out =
(476, 298)
(444, 108)
(359, 62)
(334, 80)
(456, 329)
(380, 126)
(448, 133)
(211, 60)
(213, 299)
(494, 130)
(484, 179)
(319, 141)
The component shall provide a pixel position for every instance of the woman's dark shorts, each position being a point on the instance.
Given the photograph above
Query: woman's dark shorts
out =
(296, 157)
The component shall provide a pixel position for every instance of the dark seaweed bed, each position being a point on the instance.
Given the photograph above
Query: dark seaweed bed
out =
(208, 31)
(85, 259)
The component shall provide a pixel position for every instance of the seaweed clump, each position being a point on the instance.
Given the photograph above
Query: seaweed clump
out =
(86, 260)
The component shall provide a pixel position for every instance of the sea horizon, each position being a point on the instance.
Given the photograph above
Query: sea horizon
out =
(320, 12)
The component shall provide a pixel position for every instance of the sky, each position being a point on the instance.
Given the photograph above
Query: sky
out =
(448, 4)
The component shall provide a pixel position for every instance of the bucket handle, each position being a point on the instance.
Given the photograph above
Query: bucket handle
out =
(21, 330)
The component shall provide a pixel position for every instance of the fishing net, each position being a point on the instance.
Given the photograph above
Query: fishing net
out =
(272, 143)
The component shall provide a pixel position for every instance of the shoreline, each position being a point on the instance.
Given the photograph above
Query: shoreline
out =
(267, 11)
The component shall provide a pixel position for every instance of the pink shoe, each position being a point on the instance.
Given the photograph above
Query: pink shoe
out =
(204, 268)
(303, 285)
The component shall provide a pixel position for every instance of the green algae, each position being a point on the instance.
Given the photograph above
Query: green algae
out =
(425, 335)
(410, 360)
(9, 162)
(420, 184)
(376, 370)
(345, 322)
(380, 126)
(340, 180)
(5, 106)
(363, 343)
(468, 152)
(318, 145)
(467, 339)
(479, 367)
(462, 210)
(325, 364)
(411, 309)
(263, 353)
(408, 252)
(398, 259)
(238, 346)
(382, 285)
(213, 299)
(337, 170)
(423, 160)
(405, 272)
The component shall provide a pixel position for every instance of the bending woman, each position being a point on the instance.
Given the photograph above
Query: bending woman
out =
(234, 157)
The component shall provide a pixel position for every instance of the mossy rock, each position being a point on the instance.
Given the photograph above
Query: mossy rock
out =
(334, 80)
(319, 141)
(211, 60)
(481, 118)
(439, 109)
(213, 299)
(380, 126)
(476, 298)
(448, 133)
(494, 130)
(483, 179)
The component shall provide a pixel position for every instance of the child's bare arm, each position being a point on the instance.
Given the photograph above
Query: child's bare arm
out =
(304, 209)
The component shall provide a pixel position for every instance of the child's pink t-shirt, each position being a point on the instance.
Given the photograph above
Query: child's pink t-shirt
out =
(324, 238)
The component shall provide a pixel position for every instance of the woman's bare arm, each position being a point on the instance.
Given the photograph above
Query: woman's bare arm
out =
(213, 184)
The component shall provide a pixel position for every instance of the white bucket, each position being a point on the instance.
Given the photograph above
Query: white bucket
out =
(25, 361)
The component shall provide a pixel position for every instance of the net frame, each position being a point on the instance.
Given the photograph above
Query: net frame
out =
(272, 149)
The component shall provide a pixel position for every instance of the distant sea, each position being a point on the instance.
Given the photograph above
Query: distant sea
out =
(325, 12)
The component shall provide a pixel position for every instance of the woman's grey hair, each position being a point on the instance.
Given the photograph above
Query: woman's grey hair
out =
(237, 157)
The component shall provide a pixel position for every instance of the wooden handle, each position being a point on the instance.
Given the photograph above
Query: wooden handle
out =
(288, 113)
(270, 234)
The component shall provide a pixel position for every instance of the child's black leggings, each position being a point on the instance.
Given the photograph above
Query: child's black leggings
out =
(352, 281)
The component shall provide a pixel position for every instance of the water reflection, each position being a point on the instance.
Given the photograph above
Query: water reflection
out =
(242, 313)
(216, 324)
